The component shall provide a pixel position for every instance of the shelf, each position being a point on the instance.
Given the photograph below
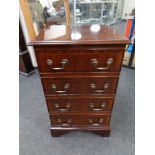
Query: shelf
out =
(97, 2)
(96, 11)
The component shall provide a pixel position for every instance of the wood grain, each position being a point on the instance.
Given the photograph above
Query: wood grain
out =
(80, 61)
(28, 18)
(70, 110)
(65, 35)
(81, 104)
(83, 88)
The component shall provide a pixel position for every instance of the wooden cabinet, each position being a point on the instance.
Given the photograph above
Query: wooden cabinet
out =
(80, 61)
(88, 85)
(79, 76)
(25, 64)
(81, 104)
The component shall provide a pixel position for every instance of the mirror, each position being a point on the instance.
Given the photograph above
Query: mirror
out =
(47, 12)
(81, 12)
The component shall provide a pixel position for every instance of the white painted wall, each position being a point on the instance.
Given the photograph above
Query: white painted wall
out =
(45, 3)
(27, 39)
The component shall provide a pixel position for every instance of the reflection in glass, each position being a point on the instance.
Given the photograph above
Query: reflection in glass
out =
(95, 28)
(81, 12)
(47, 12)
(97, 11)
(76, 35)
(55, 32)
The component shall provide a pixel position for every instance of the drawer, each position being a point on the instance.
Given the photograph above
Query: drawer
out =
(99, 85)
(80, 120)
(80, 104)
(101, 61)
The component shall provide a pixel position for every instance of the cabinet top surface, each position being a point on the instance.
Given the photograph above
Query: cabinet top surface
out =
(85, 34)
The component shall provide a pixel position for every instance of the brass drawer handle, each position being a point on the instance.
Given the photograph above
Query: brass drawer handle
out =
(68, 105)
(102, 106)
(100, 122)
(94, 62)
(67, 124)
(93, 87)
(63, 63)
(66, 87)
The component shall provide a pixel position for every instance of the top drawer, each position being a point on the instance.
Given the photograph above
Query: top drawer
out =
(77, 61)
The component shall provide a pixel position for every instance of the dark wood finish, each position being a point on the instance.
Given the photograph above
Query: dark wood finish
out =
(79, 104)
(85, 87)
(80, 120)
(57, 131)
(73, 102)
(22, 43)
(64, 35)
(45, 75)
(80, 61)
(25, 64)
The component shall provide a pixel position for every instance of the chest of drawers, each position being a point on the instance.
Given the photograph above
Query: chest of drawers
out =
(79, 76)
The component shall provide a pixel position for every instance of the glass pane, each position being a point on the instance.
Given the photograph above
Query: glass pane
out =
(103, 12)
(47, 12)
(81, 12)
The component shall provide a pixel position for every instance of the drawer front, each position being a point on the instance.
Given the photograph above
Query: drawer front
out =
(80, 120)
(101, 61)
(98, 86)
(82, 104)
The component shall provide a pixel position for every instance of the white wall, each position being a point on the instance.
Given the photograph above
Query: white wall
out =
(45, 3)
(27, 39)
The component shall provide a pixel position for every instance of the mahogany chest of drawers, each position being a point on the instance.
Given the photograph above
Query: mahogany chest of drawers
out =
(79, 69)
